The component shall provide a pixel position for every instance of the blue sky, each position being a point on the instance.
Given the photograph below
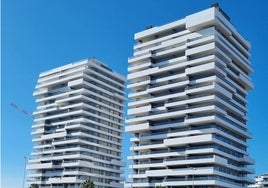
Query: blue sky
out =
(44, 34)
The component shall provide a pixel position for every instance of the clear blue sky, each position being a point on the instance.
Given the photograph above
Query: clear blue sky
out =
(38, 35)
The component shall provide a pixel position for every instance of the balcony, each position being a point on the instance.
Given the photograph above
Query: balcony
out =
(188, 140)
(168, 86)
(204, 49)
(63, 180)
(139, 85)
(179, 172)
(116, 185)
(139, 110)
(147, 147)
(40, 92)
(245, 80)
(147, 165)
(53, 135)
(168, 51)
(248, 160)
(138, 127)
(212, 159)
(139, 57)
(143, 73)
(58, 81)
(39, 166)
(208, 67)
(140, 67)
(117, 162)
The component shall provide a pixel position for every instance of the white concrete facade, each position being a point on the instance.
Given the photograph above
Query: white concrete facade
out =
(260, 181)
(78, 126)
(188, 83)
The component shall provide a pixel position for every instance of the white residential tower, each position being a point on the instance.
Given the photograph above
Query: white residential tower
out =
(260, 181)
(187, 111)
(78, 127)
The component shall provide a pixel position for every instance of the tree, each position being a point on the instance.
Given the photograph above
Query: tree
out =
(158, 186)
(34, 185)
(88, 184)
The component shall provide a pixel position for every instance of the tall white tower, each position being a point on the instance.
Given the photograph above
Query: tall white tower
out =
(187, 111)
(78, 127)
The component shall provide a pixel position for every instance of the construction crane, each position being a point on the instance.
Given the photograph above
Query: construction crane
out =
(21, 110)
(25, 112)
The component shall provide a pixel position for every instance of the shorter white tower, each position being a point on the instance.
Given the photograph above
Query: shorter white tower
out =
(78, 126)
(260, 181)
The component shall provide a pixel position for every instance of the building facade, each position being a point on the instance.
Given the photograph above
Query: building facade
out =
(260, 181)
(188, 83)
(78, 125)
